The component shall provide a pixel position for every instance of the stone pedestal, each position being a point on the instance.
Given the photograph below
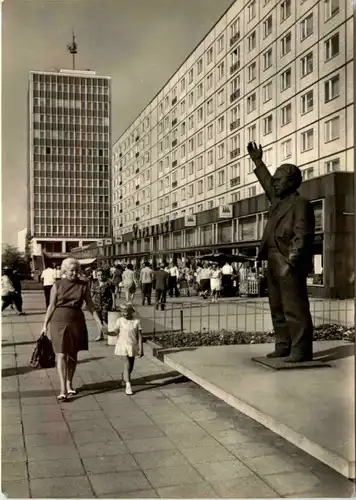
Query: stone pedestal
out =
(280, 364)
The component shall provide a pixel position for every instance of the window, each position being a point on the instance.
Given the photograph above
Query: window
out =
(252, 68)
(332, 129)
(200, 139)
(221, 97)
(221, 151)
(210, 157)
(286, 114)
(191, 168)
(209, 55)
(209, 81)
(285, 9)
(286, 79)
(221, 177)
(267, 26)
(200, 162)
(307, 173)
(221, 43)
(235, 197)
(210, 131)
(267, 125)
(182, 85)
(200, 66)
(182, 107)
(267, 156)
(191, 145)
(251, 10)
(306, 64)
(267, 92)
(307, 140)
(251, 41)
(209, 106)
(332, 47)
(200, 114)
(182, 128)
(191, 190)
(191, 122)
(221, 124)
(267, 59)
(286, 44)
(182, 151)
(235, 114)
(221, 70)
(190, 76)
(251, 191)
(286, 149)
(331, 8)
(252, 133)
(190, 99)
(306, 27)
(235, 27)
(332, 165)
(332, 88)
(210, 182)
(199, 90)
(250, 166)
(251, 103)
(307, 102)
(182, 194)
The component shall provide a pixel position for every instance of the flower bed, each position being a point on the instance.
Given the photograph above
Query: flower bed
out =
(224, 337)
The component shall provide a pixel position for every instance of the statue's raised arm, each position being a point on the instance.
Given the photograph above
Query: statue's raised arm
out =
(261, 171)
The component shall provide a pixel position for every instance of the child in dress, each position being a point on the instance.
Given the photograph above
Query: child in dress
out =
(129, 342)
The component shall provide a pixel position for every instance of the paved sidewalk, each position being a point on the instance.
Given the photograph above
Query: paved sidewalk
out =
(171, 439)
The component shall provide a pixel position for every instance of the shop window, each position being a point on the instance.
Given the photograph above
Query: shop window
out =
(207, 235)
(225, 232)
(247, 228)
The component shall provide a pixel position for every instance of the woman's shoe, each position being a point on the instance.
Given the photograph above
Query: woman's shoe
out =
(128, 390)
(72, 392)
(62, 397)
(98, 339)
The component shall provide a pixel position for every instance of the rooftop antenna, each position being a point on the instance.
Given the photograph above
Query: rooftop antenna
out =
(72, 48)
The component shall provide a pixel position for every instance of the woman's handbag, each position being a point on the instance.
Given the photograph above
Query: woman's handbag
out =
(43, 356)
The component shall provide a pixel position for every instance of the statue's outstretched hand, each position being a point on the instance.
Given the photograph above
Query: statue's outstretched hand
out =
(254, 151)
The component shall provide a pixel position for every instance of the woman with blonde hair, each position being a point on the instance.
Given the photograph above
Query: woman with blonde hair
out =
(66, 320)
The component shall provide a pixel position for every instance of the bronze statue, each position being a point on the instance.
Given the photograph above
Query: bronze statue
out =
(287, 245)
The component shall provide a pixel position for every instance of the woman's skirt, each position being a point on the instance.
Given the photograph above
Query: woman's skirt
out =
(205, 285)
(215, 284)
(68, 331)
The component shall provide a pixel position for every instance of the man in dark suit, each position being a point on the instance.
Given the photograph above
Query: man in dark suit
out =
(287, 245)
(161, 285)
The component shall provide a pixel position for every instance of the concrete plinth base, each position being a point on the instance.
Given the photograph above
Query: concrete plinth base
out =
(280, 364)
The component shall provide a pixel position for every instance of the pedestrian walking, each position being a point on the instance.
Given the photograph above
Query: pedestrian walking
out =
(129, 283)
(215, 282)
(16, 281)
(173, 280)
(102, 293)
(161, 285)
(66, 322)
(129, 342)
(117, 280)
(8, 292)
(146, 277)
(227, 272)
(205, 275)
(48, 278)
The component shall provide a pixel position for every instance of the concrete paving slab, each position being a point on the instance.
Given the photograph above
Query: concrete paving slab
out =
(59, 467)
(206, 454)
(102, 449)
(162, 458)
(223, 470)
(15, 489)
(272, 399)
(62, 487)
(149, 444)
(131, 494)
(52, 452)
(245, 487)
(109, 463)
(119, 482)
(13, 471)
(173, 476)
(140, 432)
(196, 490)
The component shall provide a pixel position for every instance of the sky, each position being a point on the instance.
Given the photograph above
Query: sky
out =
(139, 43)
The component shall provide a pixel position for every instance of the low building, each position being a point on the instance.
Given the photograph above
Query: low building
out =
(238, 228)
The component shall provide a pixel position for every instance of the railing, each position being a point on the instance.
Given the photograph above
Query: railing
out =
(239, 314)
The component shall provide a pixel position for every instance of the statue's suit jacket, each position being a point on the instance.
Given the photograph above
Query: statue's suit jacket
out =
(291, 224)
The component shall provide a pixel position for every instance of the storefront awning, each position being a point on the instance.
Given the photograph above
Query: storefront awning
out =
(84, 262)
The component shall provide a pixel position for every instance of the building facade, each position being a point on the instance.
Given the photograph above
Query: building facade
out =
(69, 160)
(276, 72)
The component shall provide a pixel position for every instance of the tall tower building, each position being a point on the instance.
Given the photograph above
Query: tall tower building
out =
(69, 155)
